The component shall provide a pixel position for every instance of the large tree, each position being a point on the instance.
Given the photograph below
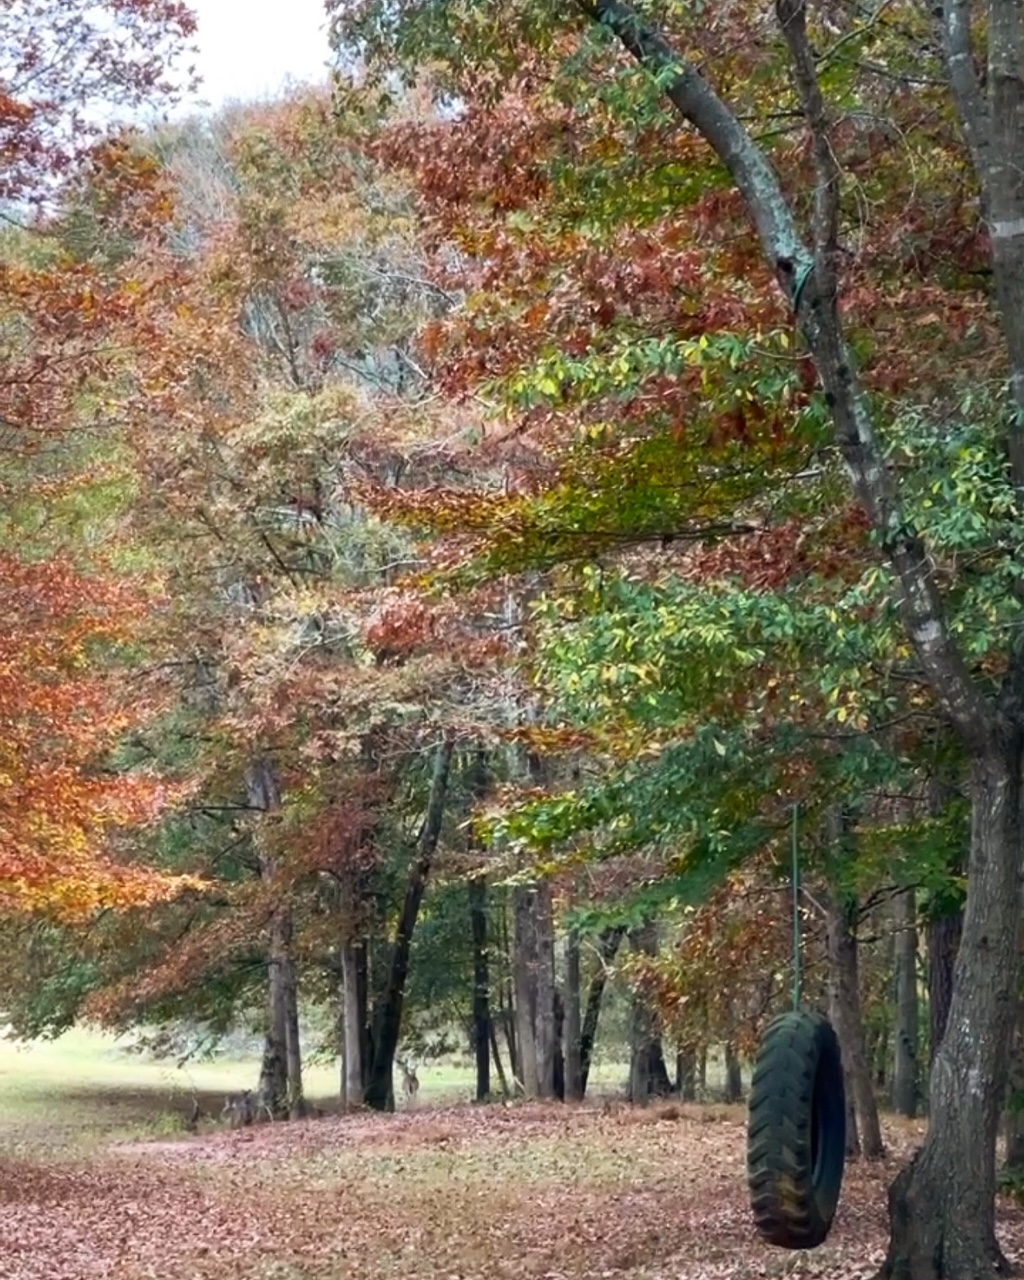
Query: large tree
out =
(714, 69)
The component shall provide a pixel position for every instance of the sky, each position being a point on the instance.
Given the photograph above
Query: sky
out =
(249, 48)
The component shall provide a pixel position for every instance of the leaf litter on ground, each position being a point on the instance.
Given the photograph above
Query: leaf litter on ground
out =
(529, 1192)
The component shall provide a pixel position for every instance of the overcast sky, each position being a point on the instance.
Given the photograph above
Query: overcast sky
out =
(249, 48)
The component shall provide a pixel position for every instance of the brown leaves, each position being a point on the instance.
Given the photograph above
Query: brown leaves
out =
(62, 62)
(529, 1191)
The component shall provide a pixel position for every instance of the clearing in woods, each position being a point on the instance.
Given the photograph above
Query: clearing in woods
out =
(95, 1183)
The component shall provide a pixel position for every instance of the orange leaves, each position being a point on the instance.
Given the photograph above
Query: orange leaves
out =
(61, 711)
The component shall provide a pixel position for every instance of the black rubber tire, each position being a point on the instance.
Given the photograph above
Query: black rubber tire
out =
(796, 1131)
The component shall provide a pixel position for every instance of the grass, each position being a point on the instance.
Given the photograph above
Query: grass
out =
(89, 1087)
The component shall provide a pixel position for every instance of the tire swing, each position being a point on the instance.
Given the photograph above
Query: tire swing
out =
(796, 1124)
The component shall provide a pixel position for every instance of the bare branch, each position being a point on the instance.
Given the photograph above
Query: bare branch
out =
(792, 16)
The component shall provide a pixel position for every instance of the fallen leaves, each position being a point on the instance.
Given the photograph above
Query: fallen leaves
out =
(535, 1191)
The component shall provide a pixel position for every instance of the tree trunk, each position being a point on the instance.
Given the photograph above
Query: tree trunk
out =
(1013, 1114)
(388, 1022)
(273, 1086)
(507, 1016)
(281, 1073)
(352, 1026)
(607, 945)
(943, 932)
(559, 1041)
(647, 1072)
(686, 1075)
(942, 1207)
(852, 1132)
(853, 1149)
(904, 1074)
(844, 1004)
(733, 1074)
(281, 950)
(502, 1078)
(534, 979)
(572, 1040)
(549, 1035)
(481, 988)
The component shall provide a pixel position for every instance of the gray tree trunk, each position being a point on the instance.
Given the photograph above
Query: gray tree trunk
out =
(942, 1206)
(852, 1132)
(573, 1026)
(607, 947)
(534, 982)
(353, 1068)
(844, 1001)
(263, 796)
(686, 1075)
(287, 994)
(905, 1075)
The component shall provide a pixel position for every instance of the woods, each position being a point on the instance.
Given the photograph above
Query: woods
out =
(514, 554)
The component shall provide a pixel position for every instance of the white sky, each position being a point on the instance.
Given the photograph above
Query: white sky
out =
(250, 48)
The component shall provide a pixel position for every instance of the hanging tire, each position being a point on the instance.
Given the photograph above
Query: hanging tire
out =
(796, 1131)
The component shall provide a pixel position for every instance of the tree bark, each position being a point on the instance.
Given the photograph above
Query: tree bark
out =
(572, 1040)
(853, 1148)
(844, 1002)
(353, 1008)
(496, 1055)
(904, 1075)
(733, 1074)
(507, 1014)
(852, 1132)
(648, 1074)
(388, 1022)
(607, 946)
(281, 949)
(481, 988)
(281, 1075)
(534, 980)
(943, 932)
(686, 1075)
(942, 1207)
(1013, 1113)
(273, 1085)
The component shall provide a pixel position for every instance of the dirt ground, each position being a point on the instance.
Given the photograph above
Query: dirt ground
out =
(438, 1194)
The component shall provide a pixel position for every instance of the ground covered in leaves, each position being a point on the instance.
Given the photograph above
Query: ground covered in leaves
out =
(442, 1194)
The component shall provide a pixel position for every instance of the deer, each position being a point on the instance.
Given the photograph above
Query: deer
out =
(410, 1081)
(247, 1108)
(238, 1109)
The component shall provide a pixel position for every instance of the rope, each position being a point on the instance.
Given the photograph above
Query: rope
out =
(797, 974)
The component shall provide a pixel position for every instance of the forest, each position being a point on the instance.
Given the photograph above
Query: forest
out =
(512, 557)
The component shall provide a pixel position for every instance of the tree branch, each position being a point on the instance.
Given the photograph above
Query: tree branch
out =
(953, 20)
(792, 16)
(919, 602)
